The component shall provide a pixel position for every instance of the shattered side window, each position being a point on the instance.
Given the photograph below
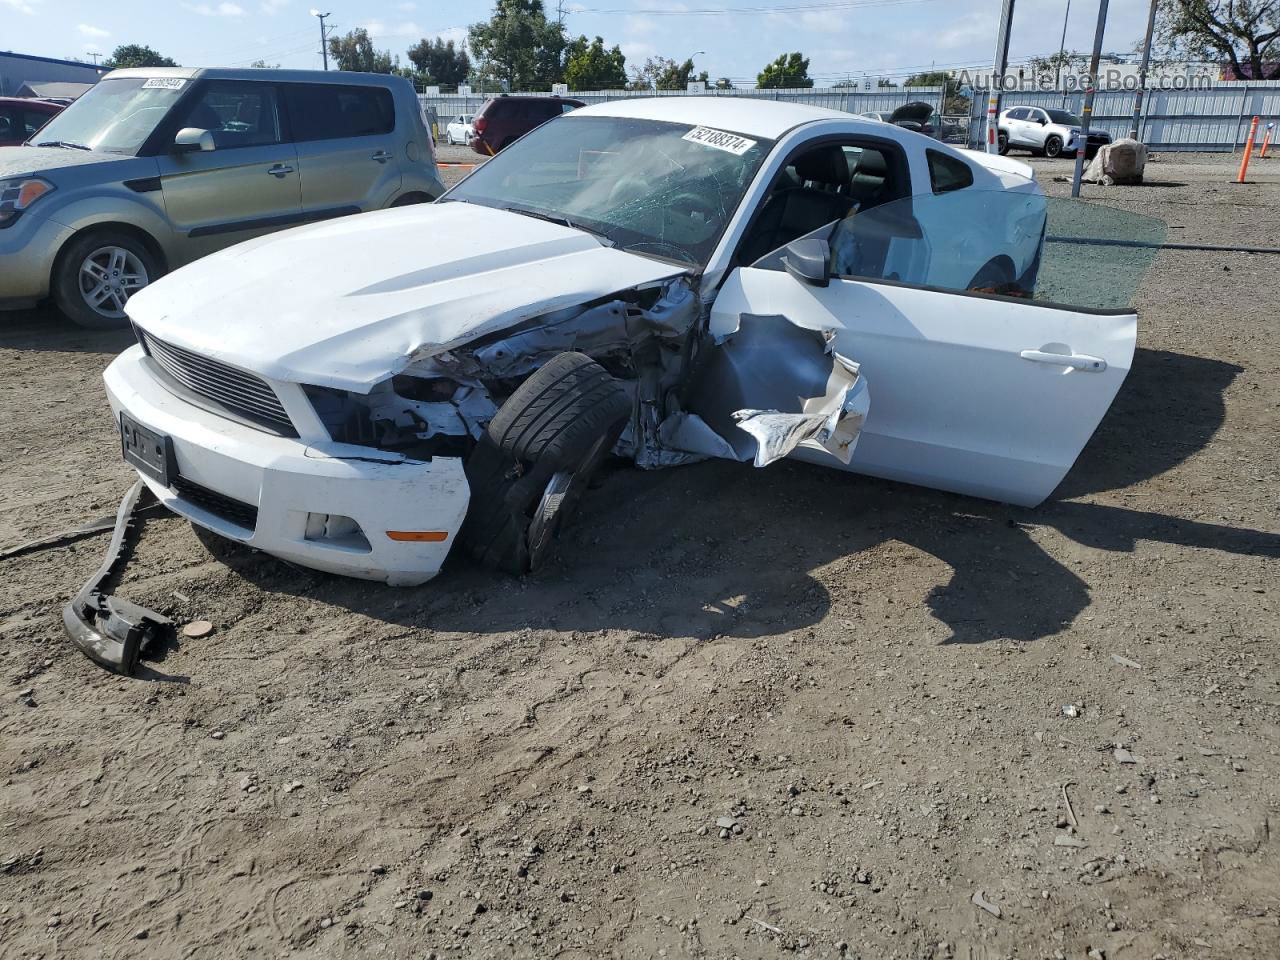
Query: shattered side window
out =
(1011, 243)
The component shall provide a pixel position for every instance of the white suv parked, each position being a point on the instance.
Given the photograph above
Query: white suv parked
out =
(1051, 132)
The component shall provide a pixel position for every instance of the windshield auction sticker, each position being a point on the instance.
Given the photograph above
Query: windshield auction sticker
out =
(164, 83)
(720, 140)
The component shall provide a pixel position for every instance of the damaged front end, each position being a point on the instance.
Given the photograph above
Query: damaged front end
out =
(753, 395)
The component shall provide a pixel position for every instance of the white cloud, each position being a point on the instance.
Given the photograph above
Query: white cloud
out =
(221, 10)
(408, 6)
(973, 29)
(272, 7)
(20, 5)
(457, 34)
(377, 28)
(88, 30)
(637, 52)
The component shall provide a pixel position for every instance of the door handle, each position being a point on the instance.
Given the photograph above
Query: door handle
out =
(1076, 361)
(382, 156)
(280, 170)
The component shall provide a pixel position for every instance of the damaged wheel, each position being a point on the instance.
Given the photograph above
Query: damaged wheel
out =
(532, 464)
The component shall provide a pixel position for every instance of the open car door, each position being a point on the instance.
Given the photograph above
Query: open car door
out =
(989, 385)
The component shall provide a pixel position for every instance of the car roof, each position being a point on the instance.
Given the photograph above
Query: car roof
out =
(748, 115)
(257, 73)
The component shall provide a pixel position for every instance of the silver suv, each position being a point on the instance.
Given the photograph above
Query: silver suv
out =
(154, 168)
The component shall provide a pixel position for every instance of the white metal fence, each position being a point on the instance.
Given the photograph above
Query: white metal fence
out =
(835, 98)
(1213, 119)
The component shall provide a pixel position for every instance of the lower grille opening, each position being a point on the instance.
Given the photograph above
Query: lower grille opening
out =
(221, 506)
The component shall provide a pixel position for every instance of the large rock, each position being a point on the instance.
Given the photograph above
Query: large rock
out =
(1120, 162)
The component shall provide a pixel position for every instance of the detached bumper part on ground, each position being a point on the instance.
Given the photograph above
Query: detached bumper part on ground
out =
(109, 630)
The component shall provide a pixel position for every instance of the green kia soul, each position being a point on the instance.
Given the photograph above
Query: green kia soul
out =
(154, 168)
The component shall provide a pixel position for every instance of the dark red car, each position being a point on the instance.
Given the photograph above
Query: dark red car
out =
(20, 117)
(505, 118)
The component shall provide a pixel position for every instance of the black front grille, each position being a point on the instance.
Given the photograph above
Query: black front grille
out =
(237, 391)
(233, 511)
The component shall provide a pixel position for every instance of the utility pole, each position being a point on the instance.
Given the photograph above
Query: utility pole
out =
(324, 37)
(1086, 115)
(1062, 48)
(1142, 71)
(997, 79)
(95, 56)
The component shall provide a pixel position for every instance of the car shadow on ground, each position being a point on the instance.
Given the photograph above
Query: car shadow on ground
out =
(45, 329)
(721, 549)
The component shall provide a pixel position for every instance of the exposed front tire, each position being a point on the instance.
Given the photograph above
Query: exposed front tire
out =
(531, 466)
(1002, 143)
(1053, 147)
(97, 273)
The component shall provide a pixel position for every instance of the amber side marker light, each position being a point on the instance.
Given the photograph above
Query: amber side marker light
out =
(419, 536)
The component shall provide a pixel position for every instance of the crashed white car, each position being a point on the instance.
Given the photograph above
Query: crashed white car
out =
(668, 279)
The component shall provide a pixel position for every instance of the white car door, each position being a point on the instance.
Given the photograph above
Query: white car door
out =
(1016, 126)
(1037, 128)
(977, 393)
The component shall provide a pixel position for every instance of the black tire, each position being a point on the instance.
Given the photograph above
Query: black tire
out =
(995, 274)
(409, 199)
(1002, 143)
(532, 464)
(1053, 147)
(66, 280)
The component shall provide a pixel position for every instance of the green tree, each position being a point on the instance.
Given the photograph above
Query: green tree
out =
(1246, 33)
(439, 63)
(355, 51)
(659, 73)
(589, 66)
(136, 55)
(519, 46)
(263, 65)
(789, 70)
(951, 99)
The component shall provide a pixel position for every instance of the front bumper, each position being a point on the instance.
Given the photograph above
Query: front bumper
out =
(27, 248)
(290, 481)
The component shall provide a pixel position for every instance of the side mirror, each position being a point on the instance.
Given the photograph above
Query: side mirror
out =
(809, 261)
(193, 140)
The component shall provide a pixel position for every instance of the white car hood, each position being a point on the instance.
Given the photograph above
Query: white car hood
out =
(349, 302)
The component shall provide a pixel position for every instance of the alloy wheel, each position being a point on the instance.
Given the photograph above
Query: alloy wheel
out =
(108, 277)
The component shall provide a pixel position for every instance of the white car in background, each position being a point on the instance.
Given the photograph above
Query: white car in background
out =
(459, 130)
(1054, 133)
(671, 279)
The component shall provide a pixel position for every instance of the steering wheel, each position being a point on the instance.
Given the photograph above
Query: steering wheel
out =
(688, 203)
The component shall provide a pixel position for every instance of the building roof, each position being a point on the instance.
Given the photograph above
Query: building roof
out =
(68, 63)
(60, 90)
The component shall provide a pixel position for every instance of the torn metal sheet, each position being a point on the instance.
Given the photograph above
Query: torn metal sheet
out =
(109, 630)
(771, 386)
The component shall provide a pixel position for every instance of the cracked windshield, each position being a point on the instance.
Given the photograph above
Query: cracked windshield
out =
(654, 188)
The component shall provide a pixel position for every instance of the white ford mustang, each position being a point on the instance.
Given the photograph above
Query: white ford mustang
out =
(671, 279)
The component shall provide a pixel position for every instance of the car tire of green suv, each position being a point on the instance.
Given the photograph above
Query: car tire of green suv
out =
(95, 275)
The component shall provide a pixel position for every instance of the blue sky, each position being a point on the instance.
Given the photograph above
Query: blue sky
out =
(839, 36)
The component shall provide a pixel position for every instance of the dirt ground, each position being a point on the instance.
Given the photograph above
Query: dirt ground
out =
(866, 679)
